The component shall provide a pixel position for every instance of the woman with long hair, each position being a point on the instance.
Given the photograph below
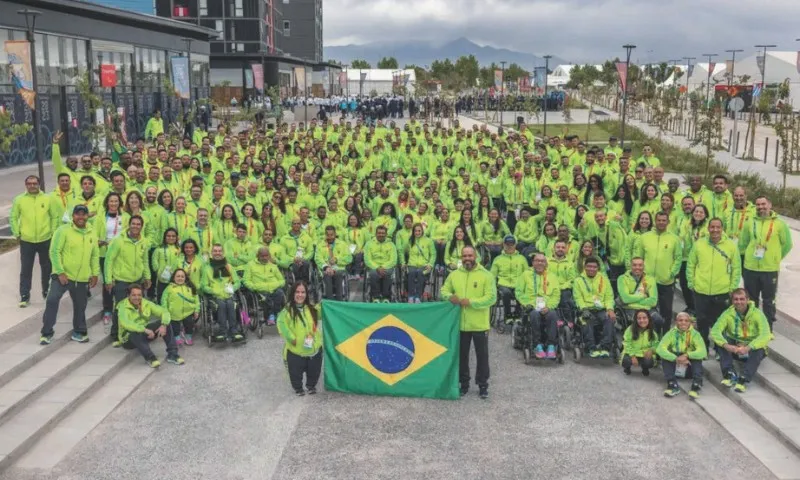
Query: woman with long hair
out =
(299, 326)
(421, 257)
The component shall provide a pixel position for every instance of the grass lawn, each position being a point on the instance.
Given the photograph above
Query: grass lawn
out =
(596, 133)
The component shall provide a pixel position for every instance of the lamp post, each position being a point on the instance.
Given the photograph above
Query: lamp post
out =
(30, 25)
(751, 149)
(188, 42)
(628, 49)
(684, 103)
(733, 64)
(500, 105)
(708, 78)
(546, 68)
(735, 114)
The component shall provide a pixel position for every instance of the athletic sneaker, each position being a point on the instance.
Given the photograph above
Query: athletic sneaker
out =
(741, 385)
(646, 372)
(385, 300)
(45, 340)
(23, 304)
(271, 320)
(417, 300)
(410, 299)
(594, 354)
(604, 354)
(626, 370)
(44, 294)
(106, 318)
(463, 391)
(238, 337)
(695, 390)
(730, 379)
(219, 338)
(551, 352)
(300, 393)
(312, 391)
(673, 390)
(116, 344)
(178, 360)
(154, 363)
(538, 352)
(189, 340)
(79, 337)
(376, 300)
(179, 341)
(483, 393)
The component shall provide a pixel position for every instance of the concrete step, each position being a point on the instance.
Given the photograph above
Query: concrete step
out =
(40, 416)
(769, 410)
(762, 444)
(55, 445)
(23, 354)
(36, 381)
(786, 353)
(782, 382)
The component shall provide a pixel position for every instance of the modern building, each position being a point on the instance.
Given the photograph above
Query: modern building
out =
(138, 6)
(73, 39)
(302, 29)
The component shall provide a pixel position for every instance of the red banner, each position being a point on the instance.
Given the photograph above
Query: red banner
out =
(711, 67)
(258, 76)
(108, 76)
(622, 70)
(342, 79)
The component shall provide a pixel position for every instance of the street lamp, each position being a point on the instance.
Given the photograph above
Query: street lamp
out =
(502, 90)
(188, 42)
(628, 48)
(751, 150)
(546, 65)
(30, 25)
(685, 100)
(733, 64)
(708, 78)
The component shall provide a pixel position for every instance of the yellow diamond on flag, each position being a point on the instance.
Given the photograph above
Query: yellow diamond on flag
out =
(390, 349)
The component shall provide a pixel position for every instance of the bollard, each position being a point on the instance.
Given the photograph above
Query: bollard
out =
(766, 151)
(736, 146)
(730, 139)
(777, 147)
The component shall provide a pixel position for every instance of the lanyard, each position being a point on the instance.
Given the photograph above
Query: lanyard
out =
(599, 290)
(678, 344)
(769, 232)
(544, 283)
(741, 219)
(303, 318)
(739, 320)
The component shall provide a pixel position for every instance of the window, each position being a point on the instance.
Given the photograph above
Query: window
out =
(238, 9)
(286, 28)
(203, 6)
(285, 2)
(232, 31)
(219, 28)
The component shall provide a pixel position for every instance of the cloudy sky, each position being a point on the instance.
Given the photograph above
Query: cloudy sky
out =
(576, 30)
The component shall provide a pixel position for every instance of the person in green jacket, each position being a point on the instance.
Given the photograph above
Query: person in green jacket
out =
(539, 292)
(136, 329)
(742, 333)
(332, 258)
(682, 351)
(75, 257)
(662, 252)
(239, 250)
(154, 127)
(473, 288)
(299, 326)
(507, 269)
(768, 241)
(380, 257)
(299, 246)
(180, 299)
(263, 278)
(639, 344)
(637, 291)
(421, 258)
(165, 260)
(594, 298)
(31, 223)
(221, 282)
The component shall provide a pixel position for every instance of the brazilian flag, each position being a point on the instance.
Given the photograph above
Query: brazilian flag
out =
(392, 349)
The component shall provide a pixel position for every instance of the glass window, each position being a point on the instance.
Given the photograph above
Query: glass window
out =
(41, 62)
(238, 8)
(80, 56)
(220, 28)
(54, 63)
(203, 7)
(5, 74)
(69, 67)
(286, 28)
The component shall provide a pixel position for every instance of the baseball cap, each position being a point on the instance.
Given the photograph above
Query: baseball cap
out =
(235, 175)
(509, 239)
(80, 209)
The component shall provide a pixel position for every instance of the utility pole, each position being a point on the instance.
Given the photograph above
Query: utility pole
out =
(546, 71)
(628, 48)
(500, 105)
(751, 149)
(735, 114)
(684, 102)
(733, 64)
(30, 24)
(708, 77)
(188, 42)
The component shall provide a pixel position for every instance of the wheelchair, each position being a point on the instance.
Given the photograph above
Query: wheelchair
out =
(366, 293)
(345, 287)
(252, 308)
(288, 277)
(208, 313)
(579, 346)
(497, 317)
(522, 338)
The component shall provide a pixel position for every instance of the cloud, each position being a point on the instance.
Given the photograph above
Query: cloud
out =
(578, 30)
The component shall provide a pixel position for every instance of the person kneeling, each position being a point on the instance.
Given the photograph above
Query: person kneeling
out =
(136, 330)
(743, 333)
(639, 344)
(595, 300)
(541, 295)
(682, 351)
(299, 326)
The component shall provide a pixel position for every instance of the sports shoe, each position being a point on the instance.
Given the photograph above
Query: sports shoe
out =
(106, 318)
(673, 390)
(538, 352)
(646, 372)
(219, 337)
(271, 320)
(551, 352)
(79, 337)
(300, 393)
(730, 379)
(595, 354)
(385, 300)
(695, 390)
(238, 337)
(626, 370)
(741, 385)
(312, 391)
(44, 294)
(483, 393)
(376, 300)
(179, 341)
(603, 353)
(189, 340)
(23, 304)
(116, 344)
(417, 300)
(178, 360)
(45, 340)
(410, 299)
(154, 363)
(463, 391)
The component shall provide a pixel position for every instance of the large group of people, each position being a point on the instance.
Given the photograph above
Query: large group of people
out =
(551, 232)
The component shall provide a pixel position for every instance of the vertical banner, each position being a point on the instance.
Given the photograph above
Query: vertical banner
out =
(258, 76)
(622, 71)
(248, 78)
(539, 77)
(342, 79)
(108, 76)
(729, 66)
(180, 76)
(326, 82)
(498, 78)
(19, 61)
(760, 63)
(797, 62)
(756, 90)
(406, 77)
(300, 78)
(689, 71)
(711, 67)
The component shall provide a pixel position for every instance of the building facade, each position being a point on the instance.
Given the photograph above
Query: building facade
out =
(302, 29)
(139, 6)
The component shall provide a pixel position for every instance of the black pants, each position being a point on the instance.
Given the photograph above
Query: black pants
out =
(332, 284)
(693, 371)
(140, 342)
(108, 297)
(298, 365)
(272, 303)
(27, 253)
(511, 220)
(762, 286)
(187, 324)
(301, 271)
(751, 363)
(614, 272)
(547, 322)
(381, 287)
(645, 363)
(481, 340)
(666, 294)
(567, 305)
(507, 294)
(688, 295)
(78, 292)
(709, 308)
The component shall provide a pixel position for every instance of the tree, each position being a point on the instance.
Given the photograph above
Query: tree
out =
(468, 69)
(360, 64)
(9, 131)
(513, 72)
(785, 125)
(388, 63)
(486, 75)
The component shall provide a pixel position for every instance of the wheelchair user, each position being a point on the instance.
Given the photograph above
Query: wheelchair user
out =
(563, 266)
(332, 258)
(380, 257)
(508, 268)
(264, 279)
(221, 282)
(594, 298)
(299, 246)
(638, 291)
(538, 290)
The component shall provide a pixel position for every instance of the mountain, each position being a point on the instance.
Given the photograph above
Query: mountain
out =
(424, 53)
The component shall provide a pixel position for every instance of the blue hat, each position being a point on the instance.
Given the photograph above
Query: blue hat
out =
(510, 239)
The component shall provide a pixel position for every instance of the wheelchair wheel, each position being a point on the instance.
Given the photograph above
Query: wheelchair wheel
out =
(526, 355)
(577, 354)
(207, 319)
(246, 314)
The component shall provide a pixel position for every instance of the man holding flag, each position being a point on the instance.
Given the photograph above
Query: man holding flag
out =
(473, 288)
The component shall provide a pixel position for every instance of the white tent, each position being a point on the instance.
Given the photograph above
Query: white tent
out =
(561, 75)
(379, 80)
(778, 68)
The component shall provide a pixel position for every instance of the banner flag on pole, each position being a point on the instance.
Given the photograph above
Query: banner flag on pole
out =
(342, 79)
(498, 78)
(797, 62)
(180, 76)
(300, 78)
(689, 71)
(757, 90)
(19, 61)
(711, 67)
(258, 76)
(622, 71)
(397, 350)
(760, 63)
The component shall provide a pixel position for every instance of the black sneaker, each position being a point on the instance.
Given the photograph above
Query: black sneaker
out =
(312, 391)
(695, 391)
(484, 393)
(300, 393)
(626, 370)
(464, 391)
(44, 294)
(646, 372)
